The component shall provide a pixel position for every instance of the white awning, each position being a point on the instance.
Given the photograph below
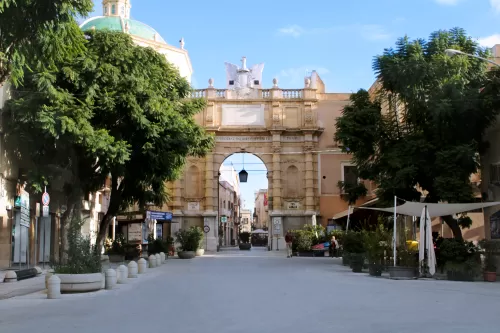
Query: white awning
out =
(346, 212)
(434, 209)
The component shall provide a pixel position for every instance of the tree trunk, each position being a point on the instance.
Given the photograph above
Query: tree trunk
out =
(114, 206)
(63, 228)
(455, 228)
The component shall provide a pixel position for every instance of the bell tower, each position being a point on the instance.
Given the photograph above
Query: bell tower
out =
(119, 8)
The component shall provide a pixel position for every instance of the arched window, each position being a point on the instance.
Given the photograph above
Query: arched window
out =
(122, 10)
(113, 9)
(105, 10)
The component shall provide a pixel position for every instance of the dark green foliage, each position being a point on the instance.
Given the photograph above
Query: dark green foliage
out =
(352, 191)
(456, 255)
(425, 121)
(158, 245)
(38, 35)
(189, 239)
(119, 111)
(245, 237)
(81, 257)
(116, 246)
(353, 242)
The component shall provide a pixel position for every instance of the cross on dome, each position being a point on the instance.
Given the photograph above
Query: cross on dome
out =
(116, 8)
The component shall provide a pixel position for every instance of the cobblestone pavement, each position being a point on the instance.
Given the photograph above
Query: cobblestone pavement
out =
(260, 291)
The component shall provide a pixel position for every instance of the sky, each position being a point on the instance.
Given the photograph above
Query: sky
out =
(338, 39)
(257, 178)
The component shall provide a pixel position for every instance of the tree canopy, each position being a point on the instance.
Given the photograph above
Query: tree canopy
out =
(422, 125)
(119, 111)
(38, 34)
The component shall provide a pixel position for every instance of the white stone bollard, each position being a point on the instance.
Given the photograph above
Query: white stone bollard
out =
(110, 279)
(142, 266)
(163, 258)
(132, 269)
(122, 273)
(158, 260)
(54, 287)
(152, 261)
(10, 276)
(47, 277)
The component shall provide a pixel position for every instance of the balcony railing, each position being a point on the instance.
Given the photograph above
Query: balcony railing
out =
(263, 94)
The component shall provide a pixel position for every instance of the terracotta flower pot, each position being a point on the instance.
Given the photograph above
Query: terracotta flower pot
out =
(490, 276)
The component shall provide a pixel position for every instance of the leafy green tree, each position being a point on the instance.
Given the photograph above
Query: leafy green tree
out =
(38, 34)
(119, 111)
(423, 126)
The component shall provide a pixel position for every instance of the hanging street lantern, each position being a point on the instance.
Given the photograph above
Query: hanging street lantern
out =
(243, 176)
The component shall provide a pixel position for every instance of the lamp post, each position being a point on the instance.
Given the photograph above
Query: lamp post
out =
(453, 52)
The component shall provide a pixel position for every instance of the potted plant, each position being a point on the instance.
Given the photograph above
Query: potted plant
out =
(189, 241)
(245, 241)
(354, 245)
(201, 250)
(490, 249)
(406, 264)
(303, 241)
(461, 259)
(156, 246)
(80, 268)
(132, 251)
(376, 243)
(115, 249)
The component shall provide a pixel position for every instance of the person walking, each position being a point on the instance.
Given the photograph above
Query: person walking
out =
(334, 245)
(289, 241)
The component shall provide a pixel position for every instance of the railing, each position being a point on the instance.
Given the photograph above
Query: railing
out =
(199, 93)
(264, 93)
(220, 93)
(292, 93)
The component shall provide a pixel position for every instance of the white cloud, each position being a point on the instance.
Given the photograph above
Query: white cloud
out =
(449, 2)
(368, 31)
(294, 77)
(489, 41)
(292, 30)
(495, 4)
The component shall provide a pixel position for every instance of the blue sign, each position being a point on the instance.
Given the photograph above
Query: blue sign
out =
(153, 215)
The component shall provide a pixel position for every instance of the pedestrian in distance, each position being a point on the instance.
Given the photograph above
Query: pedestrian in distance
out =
(289, 241)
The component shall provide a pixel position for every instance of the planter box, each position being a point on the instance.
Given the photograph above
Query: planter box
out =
(346, 258)
(460, 276)
(490, 276)
(186, 254)
(305, 254)
(401, 272)
(77, 283)
(357, 261)
(116, 258)
(245, 246)
(375, 269)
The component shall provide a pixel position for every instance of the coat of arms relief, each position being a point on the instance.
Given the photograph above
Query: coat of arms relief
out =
(244, 81)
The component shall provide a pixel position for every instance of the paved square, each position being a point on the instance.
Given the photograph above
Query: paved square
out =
(260, 291)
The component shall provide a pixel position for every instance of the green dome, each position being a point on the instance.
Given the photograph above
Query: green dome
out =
(116, 23)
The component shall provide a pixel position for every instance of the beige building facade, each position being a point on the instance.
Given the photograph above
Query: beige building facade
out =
(246, 220)
(261, 209)
(290, 130)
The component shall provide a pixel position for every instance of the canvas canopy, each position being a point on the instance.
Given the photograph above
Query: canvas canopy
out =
(434, 209)
(259, 231)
